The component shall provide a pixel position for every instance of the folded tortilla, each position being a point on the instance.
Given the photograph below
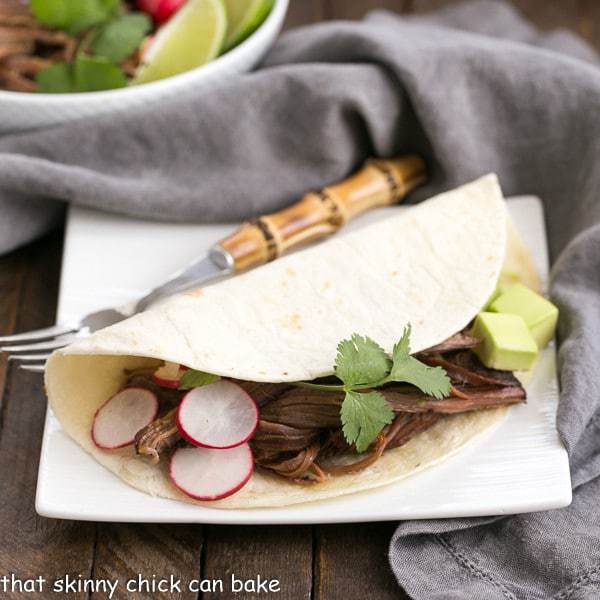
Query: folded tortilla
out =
(434, 266)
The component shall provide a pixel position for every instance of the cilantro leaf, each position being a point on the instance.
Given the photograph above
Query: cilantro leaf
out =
(433, 381)
(363, 416)
(362, 364)
(95, 73)
(52, 13)
(85, 14)
(73, 16)
(56, 79)
(119, 38)
(402, 348)
(193, 379)
(86, 74)
(111, 6)
(360, 361)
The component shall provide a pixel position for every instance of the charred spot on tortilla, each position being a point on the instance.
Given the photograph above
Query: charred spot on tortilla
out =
(195, 293)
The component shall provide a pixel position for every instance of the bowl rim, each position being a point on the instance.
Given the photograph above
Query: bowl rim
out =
(272, 23)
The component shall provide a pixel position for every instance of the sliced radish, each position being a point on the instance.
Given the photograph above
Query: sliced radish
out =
(219, 415)
(149, 6)
(166, 9)
(118, 420)
(169, 375)
(209, 474)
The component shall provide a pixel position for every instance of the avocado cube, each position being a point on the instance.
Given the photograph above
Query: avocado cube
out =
(539, 314)
(506, 342)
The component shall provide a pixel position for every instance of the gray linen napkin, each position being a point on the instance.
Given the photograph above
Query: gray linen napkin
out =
(474, 89)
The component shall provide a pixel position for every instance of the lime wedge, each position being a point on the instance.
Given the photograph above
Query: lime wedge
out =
(192, 37)
(243, 17)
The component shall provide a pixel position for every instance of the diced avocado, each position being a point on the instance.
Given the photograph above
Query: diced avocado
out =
(539, 314)
(506, 342)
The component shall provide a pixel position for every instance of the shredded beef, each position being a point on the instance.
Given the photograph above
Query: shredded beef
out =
(465, 368)
(157, 437)
(308, 412)
(462, 340)
(299, 434)
(471, 398)
(262, 393)
(303, 407)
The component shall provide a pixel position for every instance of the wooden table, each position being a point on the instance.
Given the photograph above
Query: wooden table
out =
(320, 562)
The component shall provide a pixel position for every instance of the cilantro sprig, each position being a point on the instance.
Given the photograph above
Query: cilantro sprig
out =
(106, 36)
(361, 364)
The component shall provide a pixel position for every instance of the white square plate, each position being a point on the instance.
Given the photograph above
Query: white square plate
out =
(519, 466)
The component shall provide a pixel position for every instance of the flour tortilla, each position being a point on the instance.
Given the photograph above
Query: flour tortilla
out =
(434, 266)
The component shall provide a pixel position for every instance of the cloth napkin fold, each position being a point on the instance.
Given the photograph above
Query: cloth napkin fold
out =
(473, 89)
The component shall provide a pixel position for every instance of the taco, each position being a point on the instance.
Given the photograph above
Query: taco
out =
(273, 336)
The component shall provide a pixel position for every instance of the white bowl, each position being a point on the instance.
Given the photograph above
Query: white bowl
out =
(21, 111)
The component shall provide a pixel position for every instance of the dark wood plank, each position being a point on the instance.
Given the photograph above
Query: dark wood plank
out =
(357, 9)
(30, 545)
(11, 280)
(276, 553)
(550, 15)
(546, 15)
(589, 23)
(303, 12)
(351, 562)
(580, 16)
(141, 556)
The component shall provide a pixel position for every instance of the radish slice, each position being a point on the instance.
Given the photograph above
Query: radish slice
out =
(208, 474)
(120, 418)
(166, 9)
(169, 375)
(219, 415)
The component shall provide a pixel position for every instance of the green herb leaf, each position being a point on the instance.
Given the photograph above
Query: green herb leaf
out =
(73, 16)
(193, 379)
(111, 6)
(52, 13)
(363, 416)
(95, 73)
(119, 38)
(360, 361)
(362, 364)
(86, 14)
(56, 79)
(433, 381)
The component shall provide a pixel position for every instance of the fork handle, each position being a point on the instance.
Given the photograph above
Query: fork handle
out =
(380, 182)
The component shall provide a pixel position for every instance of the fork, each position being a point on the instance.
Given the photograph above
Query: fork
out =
(41, 342)
(380, 182)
